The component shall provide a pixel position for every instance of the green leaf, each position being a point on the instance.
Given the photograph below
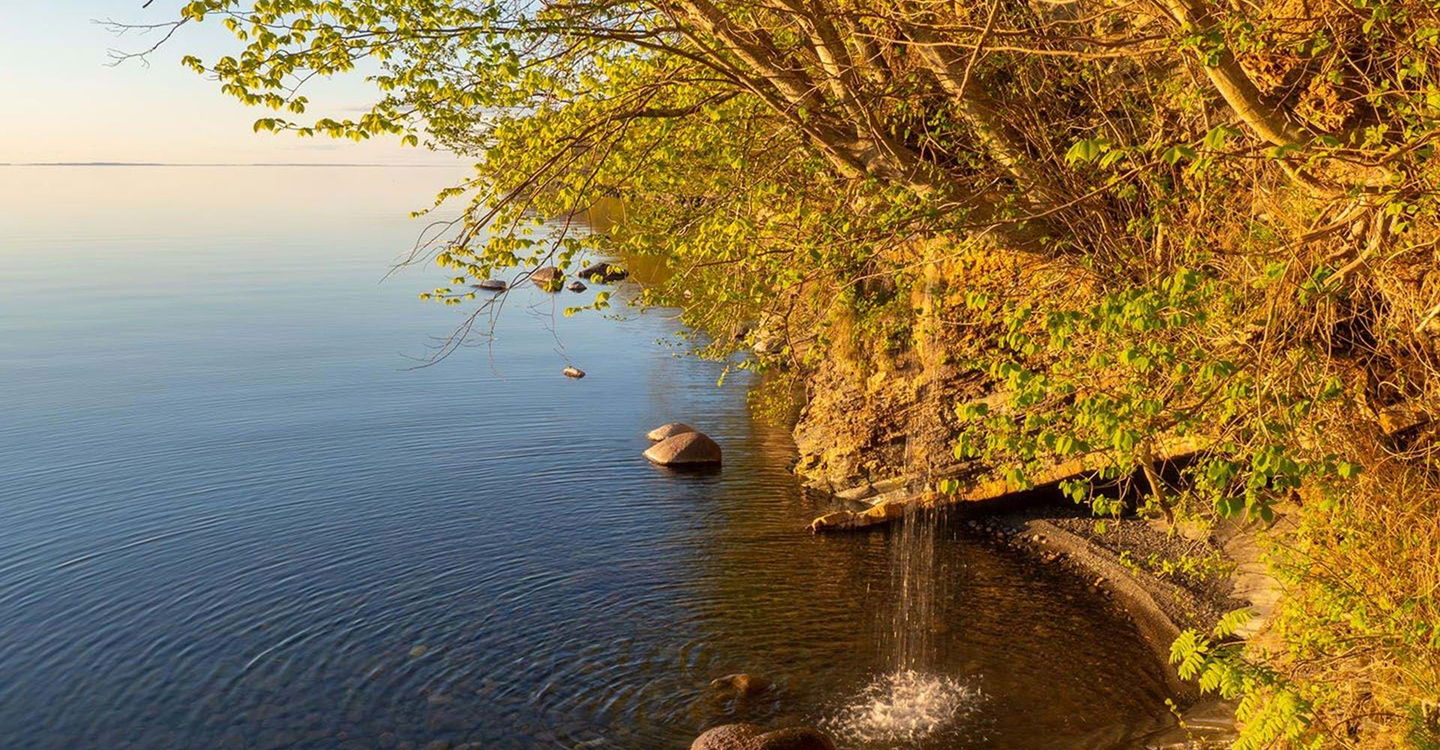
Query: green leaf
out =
(1087, 150)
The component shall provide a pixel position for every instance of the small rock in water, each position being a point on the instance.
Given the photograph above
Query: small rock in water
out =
(576, 286)
(573, 372)
(418, 651)
(494, 285)
(605, 273)
(548, 278)
(685, 449)
(742, 685)
(668, 430)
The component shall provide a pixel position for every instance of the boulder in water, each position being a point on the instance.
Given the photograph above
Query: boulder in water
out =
(685, 449)
(667, 430)
(576, 286)
(752, 737)
(604, 273)
(572, 371)
(548, 278)
(728, 737)
(740, 685)
(493, 285)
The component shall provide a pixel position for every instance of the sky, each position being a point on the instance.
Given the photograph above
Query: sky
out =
(61, 101)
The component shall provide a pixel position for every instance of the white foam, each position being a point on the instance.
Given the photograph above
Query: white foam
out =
(904, 706)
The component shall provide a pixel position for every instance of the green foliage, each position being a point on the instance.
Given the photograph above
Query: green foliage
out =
(1117, 382)
(1269, 709)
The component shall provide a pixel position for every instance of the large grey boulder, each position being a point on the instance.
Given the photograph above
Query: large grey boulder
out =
(752, 737)
(685, 449)
(667, 430)
(493, 285)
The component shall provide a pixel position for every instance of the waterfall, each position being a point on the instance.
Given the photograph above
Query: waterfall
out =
(915, 579)
(912, 699)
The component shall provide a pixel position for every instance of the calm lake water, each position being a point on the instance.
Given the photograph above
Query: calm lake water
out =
(233, 517)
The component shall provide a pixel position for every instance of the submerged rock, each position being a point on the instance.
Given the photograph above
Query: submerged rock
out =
(685, 449)
(494, 285)
(742, 685)
(752, 737)
(668, 430)
(573, 372)
(548, 278)
(576, 286)
(605, 273)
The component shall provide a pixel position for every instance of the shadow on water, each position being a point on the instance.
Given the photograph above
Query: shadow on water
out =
(691, 470)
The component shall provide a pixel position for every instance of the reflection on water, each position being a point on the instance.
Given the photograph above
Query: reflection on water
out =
(234, 518)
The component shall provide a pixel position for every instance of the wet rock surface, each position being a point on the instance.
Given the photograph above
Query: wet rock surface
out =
(685, 449)
(740, 685)
(753, 737)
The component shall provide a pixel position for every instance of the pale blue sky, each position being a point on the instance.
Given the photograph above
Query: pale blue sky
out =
(59, 102)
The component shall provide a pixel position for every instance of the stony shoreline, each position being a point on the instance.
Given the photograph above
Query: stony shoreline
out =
(1163, 580)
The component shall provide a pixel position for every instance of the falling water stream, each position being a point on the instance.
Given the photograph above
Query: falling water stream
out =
(915, 698)
(235, 516)
(919, 581)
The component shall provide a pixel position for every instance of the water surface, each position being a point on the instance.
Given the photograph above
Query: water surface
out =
(235, 517)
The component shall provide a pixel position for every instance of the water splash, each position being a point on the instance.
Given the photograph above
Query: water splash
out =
(903, 707)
